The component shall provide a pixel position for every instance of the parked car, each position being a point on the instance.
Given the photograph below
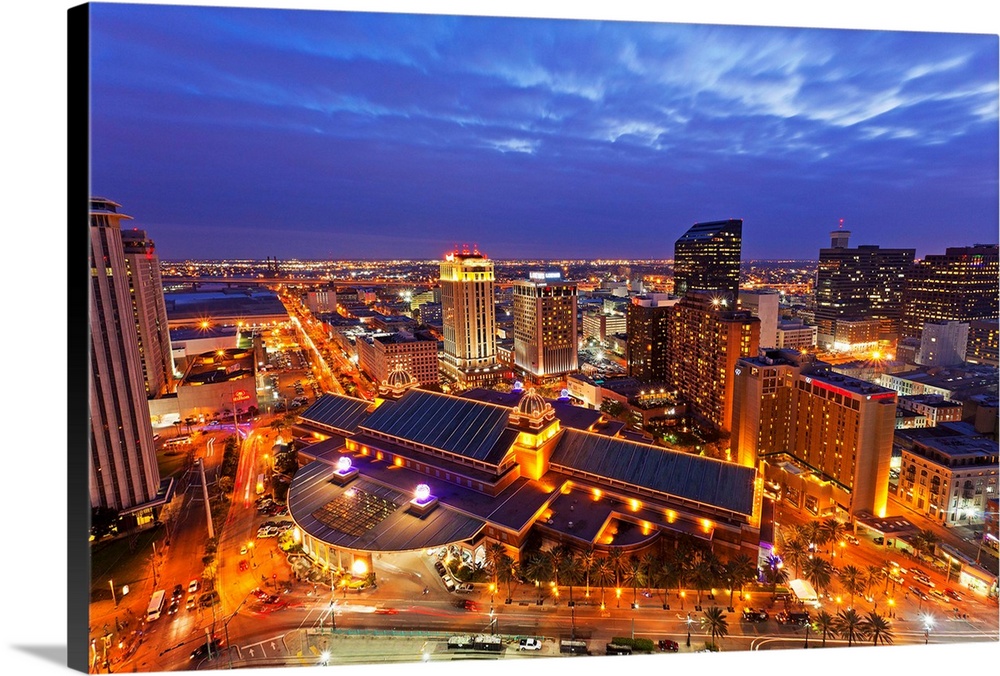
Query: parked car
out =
(755, 615)
(191, 603)
(853, 540)
(878, 540)
(529, 644)
(465, 588)
(668, 646)
(193, 586)
(801, 618)
(174, 607)
(209, 598)
(178, 591)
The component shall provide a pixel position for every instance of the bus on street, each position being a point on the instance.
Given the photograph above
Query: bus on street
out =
(156, 605)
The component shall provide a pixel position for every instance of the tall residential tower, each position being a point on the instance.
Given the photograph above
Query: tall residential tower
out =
(123, 469)
(150, 310)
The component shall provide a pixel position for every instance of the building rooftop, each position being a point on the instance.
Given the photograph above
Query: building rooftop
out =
(468, 428)
(338, 412)
(576, 417)
(702, 480)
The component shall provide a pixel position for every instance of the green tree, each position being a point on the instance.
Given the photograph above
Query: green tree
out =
(702, 573)
(714, 619)
(587, 562)
(618, 561)
(507, 572)
(878, 628)
(796, 552)
(494, 559)
(538, 569)
(874, 575)
(925, 542)
(775, 574)
(226, 484)
(571, 572)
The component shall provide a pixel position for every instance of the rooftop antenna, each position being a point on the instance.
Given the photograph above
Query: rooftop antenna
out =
(841, 226)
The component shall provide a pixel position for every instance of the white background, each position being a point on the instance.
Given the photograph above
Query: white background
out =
(32, 586)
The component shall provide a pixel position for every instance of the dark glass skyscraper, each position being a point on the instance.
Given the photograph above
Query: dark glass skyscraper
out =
(707, 258)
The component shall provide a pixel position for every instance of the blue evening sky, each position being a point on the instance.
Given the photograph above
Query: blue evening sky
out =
(230, 132)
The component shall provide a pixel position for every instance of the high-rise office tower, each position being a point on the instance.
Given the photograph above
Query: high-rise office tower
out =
(150, 310)
(762, 304)
(545, 331)
(707, 339)
(960, 285)
(469, 318)
(707, 258)
(648, 321)
(984, 343)
(123, 469)
(859, 285)
(824, 438)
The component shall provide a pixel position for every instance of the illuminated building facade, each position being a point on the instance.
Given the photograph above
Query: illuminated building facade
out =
(707, 339)
(534, 470)
(707, 258)
(946, 474)
(762, 304)
(123, 470)
(321, 300)
(648, 322)
(824, 438)
(469, 318)
(545, 331)
(864, 283)
(150, 310)
(984, 343)
(416, 352)
(963, 284)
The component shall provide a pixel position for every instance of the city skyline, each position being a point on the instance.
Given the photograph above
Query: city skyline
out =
(344, 135)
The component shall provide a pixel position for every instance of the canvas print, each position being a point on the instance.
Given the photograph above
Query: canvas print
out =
(416, 338)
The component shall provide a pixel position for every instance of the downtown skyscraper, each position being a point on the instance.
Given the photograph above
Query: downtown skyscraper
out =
(859, 292)
(123, 470)
(469, 318)
(707, 258)
(150, 311)
(960, 285)
(545, 327)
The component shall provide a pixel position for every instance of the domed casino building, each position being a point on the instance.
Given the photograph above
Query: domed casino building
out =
(418, 470)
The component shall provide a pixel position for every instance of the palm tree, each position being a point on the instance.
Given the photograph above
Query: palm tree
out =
(494, 555)
(557, 557)
(616, 557)
(925, 542)
(538, 568)
(680, 561)
(775, 574)
(850, 578)
(878, 628)
(634, 574)
(826, 624)
(874, 576)
(848, 624)
(507, 571)
(833, 531)
(813, 533)
(819, 572)
(702, 574)
(796, 552)
(739, 571)
(715, 621)
(571, 572)
(649, 562)
(587, 561)
(605, 574)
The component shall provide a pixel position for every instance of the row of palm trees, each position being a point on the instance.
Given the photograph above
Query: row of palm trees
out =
(846, 624)
(684, 567)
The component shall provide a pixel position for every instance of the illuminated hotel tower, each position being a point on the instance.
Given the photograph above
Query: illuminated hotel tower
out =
(545, 331)
(150, 310)
(123, 470)
(469, 319)
(707, 258)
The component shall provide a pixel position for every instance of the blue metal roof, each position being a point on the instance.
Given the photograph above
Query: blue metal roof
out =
(464, 427)
(337, 411)
(710, 482)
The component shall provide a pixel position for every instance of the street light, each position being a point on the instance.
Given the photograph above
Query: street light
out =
(683, 594)
(618, 595)
(928, 624)
(689, 623)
